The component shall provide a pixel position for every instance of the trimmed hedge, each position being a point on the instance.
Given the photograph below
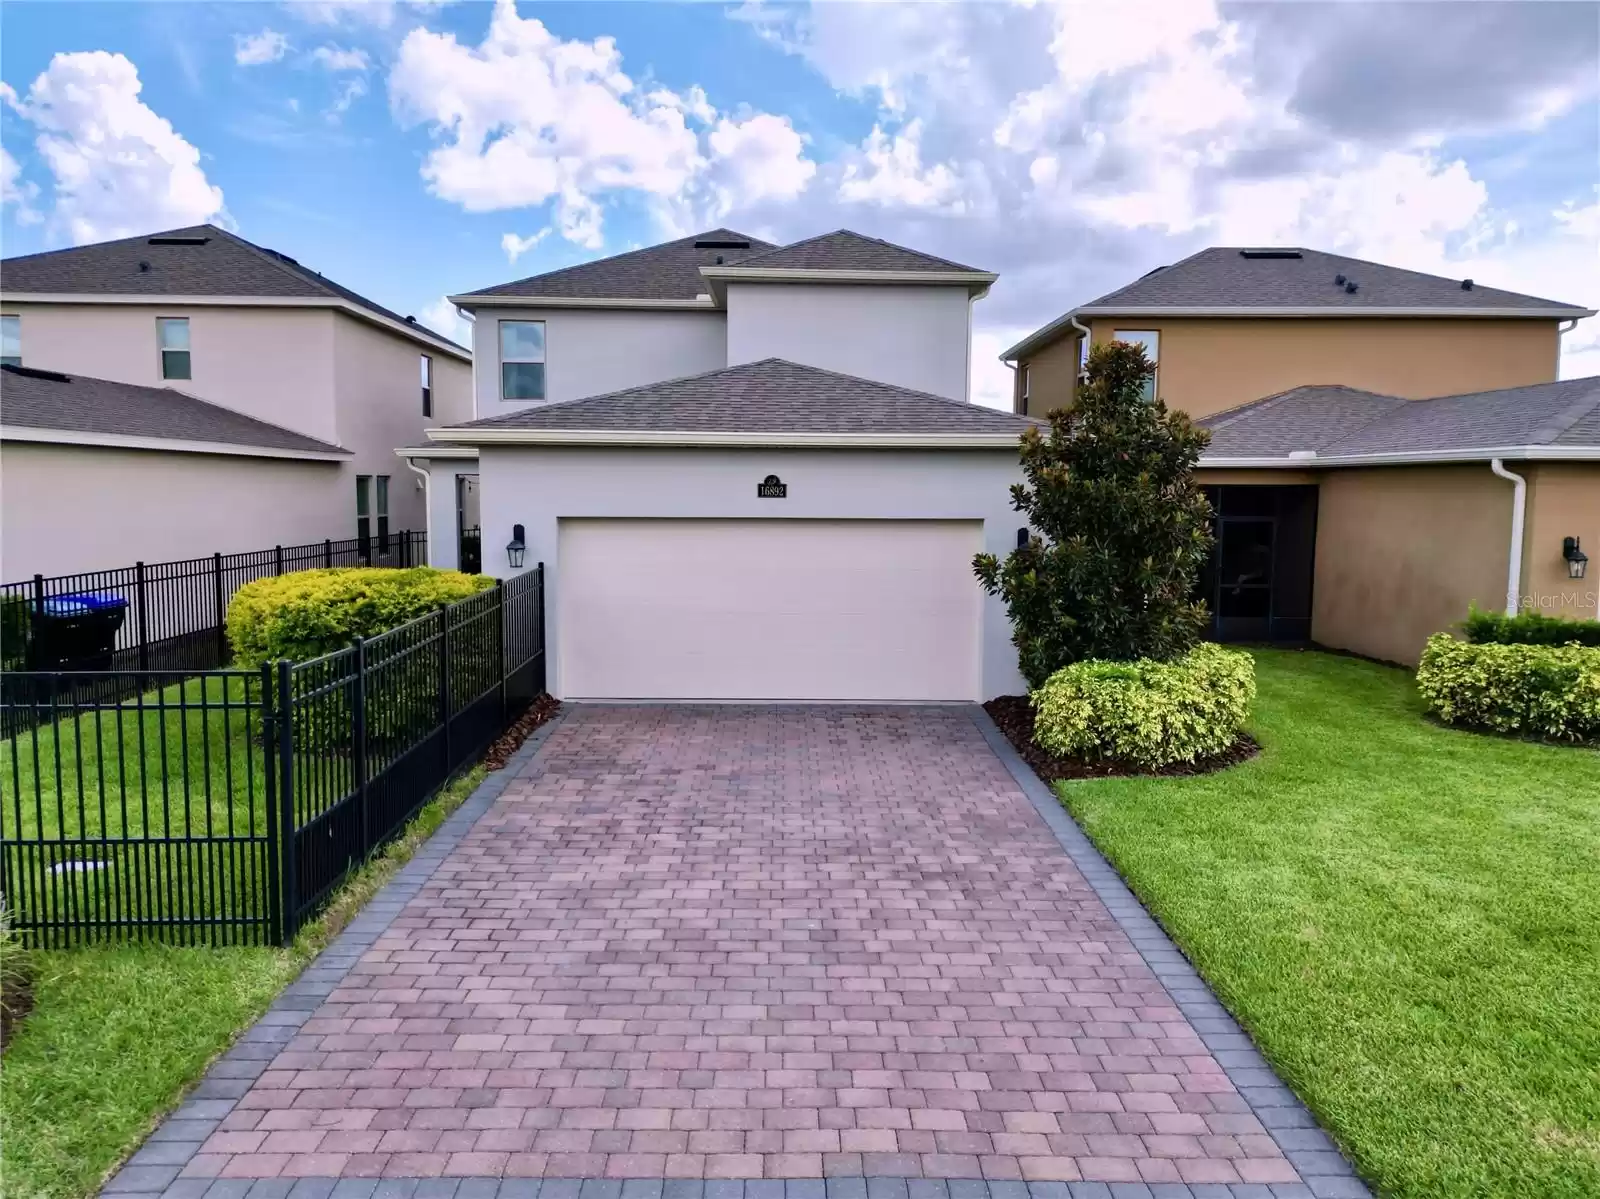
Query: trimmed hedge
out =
(1550, 691)
(1147, 712)
(313, 612)
(1528, 628)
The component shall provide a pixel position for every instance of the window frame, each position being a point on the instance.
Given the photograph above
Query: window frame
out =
(503, 361)
(380, 489)
(427, 384)
(11, 320)
(1153, 387)
(363, 509)
(162, 349)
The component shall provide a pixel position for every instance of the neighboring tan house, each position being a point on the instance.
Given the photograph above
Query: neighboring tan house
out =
(750, 471)
(1367, 424)
(324, 384)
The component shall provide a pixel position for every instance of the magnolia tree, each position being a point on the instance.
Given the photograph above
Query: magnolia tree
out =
(1120, 527)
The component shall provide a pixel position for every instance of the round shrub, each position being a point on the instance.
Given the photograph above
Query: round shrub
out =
(313, 612)
(1146, 712)
(1548, 691)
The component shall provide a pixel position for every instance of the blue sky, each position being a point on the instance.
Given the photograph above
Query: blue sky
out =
(411, 150)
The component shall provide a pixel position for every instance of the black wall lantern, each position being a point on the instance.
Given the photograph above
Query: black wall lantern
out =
(1577, 560)
(517, 547)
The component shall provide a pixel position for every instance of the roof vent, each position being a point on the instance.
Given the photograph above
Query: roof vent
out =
(280, 255)
(722, 243)
(1301, 455)
(1269, 252)
(185, 239)
(33, 372)
(1350, 287)
(1338, 280)
(719, 259)
(410, 320)
(143, 266)
(1466, 285)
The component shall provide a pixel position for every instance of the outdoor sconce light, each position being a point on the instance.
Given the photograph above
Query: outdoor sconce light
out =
(516, 548)
(1577, 560)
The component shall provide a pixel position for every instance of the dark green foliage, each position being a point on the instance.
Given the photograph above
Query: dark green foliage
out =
(1120, 527)
(1528, 628)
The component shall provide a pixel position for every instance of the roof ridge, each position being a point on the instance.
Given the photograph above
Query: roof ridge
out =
(804, 241)
(1240, 411)
(660, 245)
(1566, 418)
(271, 257)
(600, 395)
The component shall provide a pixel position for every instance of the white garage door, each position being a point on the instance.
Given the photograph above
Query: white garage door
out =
(768, 609)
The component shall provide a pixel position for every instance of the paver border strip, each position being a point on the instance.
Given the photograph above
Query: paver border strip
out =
(154, 1169)
(1327, 1173)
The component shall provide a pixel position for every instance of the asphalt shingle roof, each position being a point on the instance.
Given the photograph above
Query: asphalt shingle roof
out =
(844, 250)
(36, 399)
(224, 264)
(770, 396)
(1340, 421)
(670, 271)
(1223, 277)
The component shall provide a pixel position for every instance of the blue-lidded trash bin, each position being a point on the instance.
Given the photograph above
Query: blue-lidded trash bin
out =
(76, 632)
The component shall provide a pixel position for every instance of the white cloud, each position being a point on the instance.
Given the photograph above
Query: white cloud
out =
(119, 168)
(378, 13)
(16, 191)
(252, 50)
(889, 171)
(526, 119)
(515, 247)
(441, 316)
(352, 91)
(337, 58)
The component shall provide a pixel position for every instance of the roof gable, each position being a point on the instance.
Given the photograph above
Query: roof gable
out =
(670, 271)
(1228, 277)
(769, 397)
(37, 399)
(846, 250)
(198, 261)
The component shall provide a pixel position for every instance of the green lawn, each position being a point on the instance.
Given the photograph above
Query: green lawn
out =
(1405, 917)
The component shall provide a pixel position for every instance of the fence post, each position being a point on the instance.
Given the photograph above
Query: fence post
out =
(444, 682)
(142, 614)
(222, 610)
(542, 683)
(38, 593)
(277, 557)
(276, 849)
(405, 548)
(327, 552)
(286, 822)
(500, 627)
(359, 745)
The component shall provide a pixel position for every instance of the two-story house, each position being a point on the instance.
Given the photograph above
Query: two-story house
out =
(189, 392)
(750, 471)
(1388, 447)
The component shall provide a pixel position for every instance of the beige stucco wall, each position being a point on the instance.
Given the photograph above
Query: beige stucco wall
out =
(1052, 377)
(1402, 551)
(1563, 501)
(275, 364)
(1208, 365)
(65, 509)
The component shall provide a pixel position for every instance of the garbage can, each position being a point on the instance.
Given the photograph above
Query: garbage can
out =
(76, 632)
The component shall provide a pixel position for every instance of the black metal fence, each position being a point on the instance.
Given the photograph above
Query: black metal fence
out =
(224, 807)
(170, 614)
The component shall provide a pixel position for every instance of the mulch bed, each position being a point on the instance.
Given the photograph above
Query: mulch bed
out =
(540, 711)
(1014, 715)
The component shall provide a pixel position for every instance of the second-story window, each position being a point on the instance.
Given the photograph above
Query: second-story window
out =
(522, 360)
(363, 507)
(1150, 339)
(172, 334)
(427, 386)
(1026, 378)
(383, 512)
(11, 337)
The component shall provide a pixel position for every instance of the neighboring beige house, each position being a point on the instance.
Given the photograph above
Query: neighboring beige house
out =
(1378, 435)
(227, 325)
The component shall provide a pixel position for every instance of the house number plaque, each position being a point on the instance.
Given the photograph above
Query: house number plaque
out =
(772, 488)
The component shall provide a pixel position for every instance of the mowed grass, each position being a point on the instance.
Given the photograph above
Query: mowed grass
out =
(118, 1034)
(1405, 917)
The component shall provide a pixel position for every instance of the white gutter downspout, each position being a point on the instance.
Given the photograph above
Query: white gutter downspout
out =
(1561, 331)
(427, 504)
(1084, 329)
(1519, 505)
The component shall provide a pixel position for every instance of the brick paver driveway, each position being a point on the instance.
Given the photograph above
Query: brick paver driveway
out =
(752, 943)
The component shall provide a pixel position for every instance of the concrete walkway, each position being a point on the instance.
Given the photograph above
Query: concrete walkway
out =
(754, 946)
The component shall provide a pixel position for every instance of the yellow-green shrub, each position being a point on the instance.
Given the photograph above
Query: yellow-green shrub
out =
(1537, 690)
(1147, 712)
(312, 612)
